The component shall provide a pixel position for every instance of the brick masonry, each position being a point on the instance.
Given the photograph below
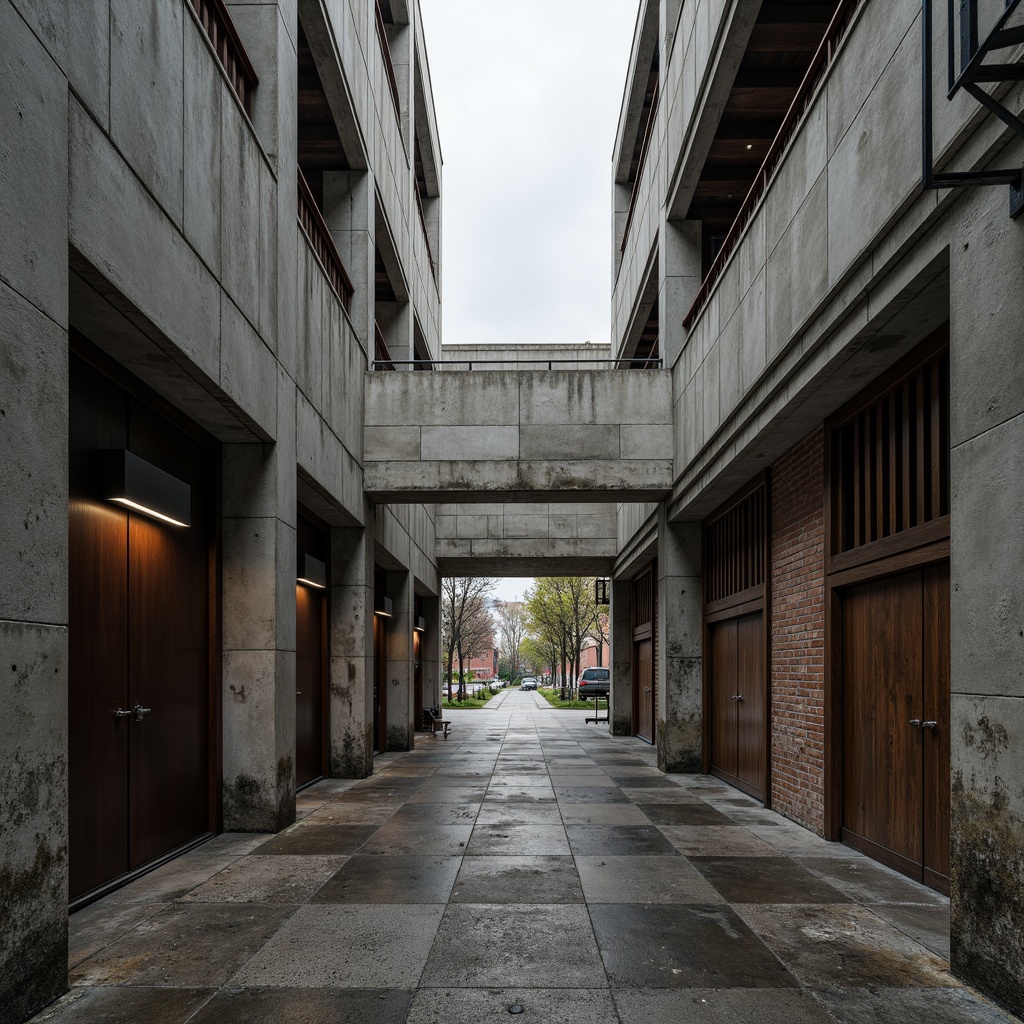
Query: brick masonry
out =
(798, 633)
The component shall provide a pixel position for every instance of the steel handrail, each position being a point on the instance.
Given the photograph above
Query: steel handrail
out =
(821, 61)
(644, 363)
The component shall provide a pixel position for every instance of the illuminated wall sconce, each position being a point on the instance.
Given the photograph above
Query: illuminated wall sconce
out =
(383, 607)
(421, 624)
(139, 485)
(313, 572)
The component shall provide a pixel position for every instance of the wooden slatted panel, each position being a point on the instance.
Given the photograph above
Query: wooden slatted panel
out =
(643, 601)
(220, 29)
(735, 547)
(890, 469)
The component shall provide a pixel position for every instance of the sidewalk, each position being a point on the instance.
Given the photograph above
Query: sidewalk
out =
(530, 861)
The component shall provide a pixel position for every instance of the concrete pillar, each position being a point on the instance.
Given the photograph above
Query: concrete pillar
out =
(678, 729)
(351, 646)
(430, 652)
(34, 504)
(258, 616)
(395, 321)
(987, 598)
(679, 278)
(400, 709)
(620, 636)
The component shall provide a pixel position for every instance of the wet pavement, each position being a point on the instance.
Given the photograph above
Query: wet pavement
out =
(532, 861)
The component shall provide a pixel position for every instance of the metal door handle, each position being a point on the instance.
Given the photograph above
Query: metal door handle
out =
(298, 693)
(119, 713)
(929, 725)
(736, 696)
(915, 721)
(647, 689)
(138, 711)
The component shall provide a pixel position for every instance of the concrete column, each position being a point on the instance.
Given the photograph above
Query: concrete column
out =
(987, 598)
(34, 505)
(678, 647)
(351, 646)
(400, 709)
(679, 278)
(258, 615)
(620, 636)
(430, 652)
(395, 321)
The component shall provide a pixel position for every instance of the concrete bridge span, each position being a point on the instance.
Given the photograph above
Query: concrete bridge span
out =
(518, 436)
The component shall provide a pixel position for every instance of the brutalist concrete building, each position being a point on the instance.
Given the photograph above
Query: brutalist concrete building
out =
(230, 494)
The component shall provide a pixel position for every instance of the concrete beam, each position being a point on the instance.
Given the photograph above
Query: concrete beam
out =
(479, 436)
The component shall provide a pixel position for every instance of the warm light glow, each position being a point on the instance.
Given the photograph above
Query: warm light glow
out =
(379, 613)
(312, 583)
(136, 507)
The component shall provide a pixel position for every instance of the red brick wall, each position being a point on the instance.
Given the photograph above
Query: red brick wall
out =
(798, 633)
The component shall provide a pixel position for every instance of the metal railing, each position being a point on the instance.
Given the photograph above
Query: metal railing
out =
(319, 237)
(386, 363)
(220, 30)
(820, 63)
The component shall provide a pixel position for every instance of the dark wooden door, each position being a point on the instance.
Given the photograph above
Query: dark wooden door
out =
(896, 721)
(417, 679)
(309, 640)
(97, 641)
(380, 692)
(724, 711)
(752, 707)
(311, 610)
(644, 661)
(139, 637)
(739, 703)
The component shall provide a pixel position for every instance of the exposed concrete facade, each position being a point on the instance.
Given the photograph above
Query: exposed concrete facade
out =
(149, 214)
(842, 267)
(146, 210)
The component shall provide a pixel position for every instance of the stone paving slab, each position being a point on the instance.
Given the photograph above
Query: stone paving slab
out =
(533, 861)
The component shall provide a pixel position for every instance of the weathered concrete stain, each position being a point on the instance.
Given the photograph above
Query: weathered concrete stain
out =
(987, 904)
(679, 744)
(988, 738)
(34, 937)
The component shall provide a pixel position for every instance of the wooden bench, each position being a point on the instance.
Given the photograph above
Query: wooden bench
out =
(433, 721)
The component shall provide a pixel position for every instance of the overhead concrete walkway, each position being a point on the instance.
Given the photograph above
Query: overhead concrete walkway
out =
(530, 860)
(523, 435)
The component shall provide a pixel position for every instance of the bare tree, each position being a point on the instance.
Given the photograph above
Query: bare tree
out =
(462, 597)
(511, 632)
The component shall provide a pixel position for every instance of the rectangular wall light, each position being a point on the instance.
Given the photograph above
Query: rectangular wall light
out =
(384, 608)
(139, 485)
(312, 572)
(421, 624)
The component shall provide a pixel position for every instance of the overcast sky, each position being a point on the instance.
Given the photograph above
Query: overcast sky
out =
(527, 94)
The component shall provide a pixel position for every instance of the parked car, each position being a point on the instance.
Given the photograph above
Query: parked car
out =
(528, 683)
(594, 682)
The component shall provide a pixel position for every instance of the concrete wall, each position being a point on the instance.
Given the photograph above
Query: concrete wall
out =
(142, 206)
(528, 539)
(845, 265)
(540, 435)
(526, 357)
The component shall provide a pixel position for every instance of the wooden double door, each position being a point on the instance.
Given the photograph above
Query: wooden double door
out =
(310, 658)
(645, 674)
(140, 626)
(895, 659)
(739, 703)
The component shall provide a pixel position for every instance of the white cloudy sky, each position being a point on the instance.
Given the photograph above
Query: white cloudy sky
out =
(527, 94)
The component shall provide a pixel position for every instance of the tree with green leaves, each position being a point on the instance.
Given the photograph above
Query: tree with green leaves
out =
(562, 616)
